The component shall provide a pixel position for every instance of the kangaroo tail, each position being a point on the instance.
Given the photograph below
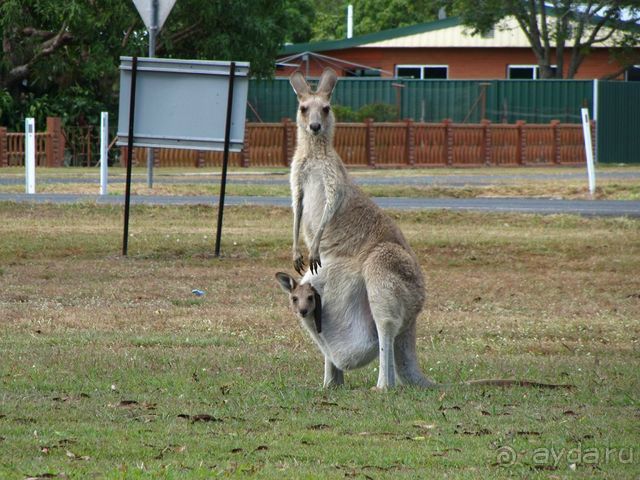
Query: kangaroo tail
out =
(504, 382)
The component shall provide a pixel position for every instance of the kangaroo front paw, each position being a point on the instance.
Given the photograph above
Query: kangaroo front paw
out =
(314, 263)
(298, 263)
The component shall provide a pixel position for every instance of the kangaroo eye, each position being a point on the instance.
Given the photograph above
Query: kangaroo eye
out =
(309, 298)
(303, 109)
(326, 109)
(294, 299)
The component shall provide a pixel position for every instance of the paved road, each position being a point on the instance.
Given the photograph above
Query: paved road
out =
(518, 177)
(522, 205)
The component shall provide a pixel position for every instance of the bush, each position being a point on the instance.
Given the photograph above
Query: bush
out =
(379, 112)
(344, 114)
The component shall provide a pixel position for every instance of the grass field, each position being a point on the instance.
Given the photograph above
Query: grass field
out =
(111, 368)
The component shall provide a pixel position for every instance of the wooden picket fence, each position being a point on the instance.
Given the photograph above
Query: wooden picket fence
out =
(402, 144)
(367, 144)
(15, 149)
(50, 146)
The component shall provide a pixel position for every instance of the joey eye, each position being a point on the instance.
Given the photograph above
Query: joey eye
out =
(326, 109)
(294, 299)
(309, 298)
(303, 109)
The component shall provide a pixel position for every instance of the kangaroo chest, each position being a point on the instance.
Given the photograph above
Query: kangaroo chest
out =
(313, 199)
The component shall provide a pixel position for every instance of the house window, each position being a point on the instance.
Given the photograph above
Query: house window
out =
(408, 71)
(526, 72)
(423, 72)
(362, 72)
(522, 72)
(633, 73)
(435, 72)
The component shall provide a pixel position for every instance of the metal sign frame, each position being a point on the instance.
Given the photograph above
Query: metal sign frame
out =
(179, 103)
(167, 116)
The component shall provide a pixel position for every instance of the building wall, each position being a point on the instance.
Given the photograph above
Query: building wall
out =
(464, 63)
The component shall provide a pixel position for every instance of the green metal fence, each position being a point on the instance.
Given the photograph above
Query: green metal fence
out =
(540, 101)
(618, 123)
(463, 101)
(469, 101)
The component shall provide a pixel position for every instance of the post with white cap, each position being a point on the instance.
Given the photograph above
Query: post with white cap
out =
(104, 152)
(30, 155)
(588, 148)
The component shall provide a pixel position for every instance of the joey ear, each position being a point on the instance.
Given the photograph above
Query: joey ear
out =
(286, 281)
(299, 85)
(327, 82)
(317, 313)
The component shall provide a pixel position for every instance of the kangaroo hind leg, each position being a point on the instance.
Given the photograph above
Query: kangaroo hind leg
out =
(407, 366)
(384, 309)
(333, 376)
(395, 291)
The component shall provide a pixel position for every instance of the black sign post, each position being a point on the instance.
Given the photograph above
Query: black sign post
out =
(225, 157)
(127, 194)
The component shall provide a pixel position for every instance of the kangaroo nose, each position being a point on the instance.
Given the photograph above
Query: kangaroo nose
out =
(303, 312)
(315, 127)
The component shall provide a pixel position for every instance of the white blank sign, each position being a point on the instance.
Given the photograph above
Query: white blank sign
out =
(182, 103)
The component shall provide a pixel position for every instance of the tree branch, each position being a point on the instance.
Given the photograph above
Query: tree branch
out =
(594, 33)
(617, 73)
(545, 29)
(20, 72)
(128, 33)
(33, 32)
(180, 35)
(562, 29)
(51, 45)
(579, 46)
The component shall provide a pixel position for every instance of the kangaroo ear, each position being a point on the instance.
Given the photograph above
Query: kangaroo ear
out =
(317, 313)
(327, 82)
(286, 281)
(299, 85)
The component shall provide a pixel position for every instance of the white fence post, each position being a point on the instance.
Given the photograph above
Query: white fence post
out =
(104, 151)
(588, 148)
(30, 155)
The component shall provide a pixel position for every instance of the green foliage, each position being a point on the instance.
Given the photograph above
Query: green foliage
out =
(6, 102)
(62, 58)
(379, 112)
(301, 16)
(331, 21)
(369, 16)
(376, 15)
(54, 50)
(344, 113)
(243, 30)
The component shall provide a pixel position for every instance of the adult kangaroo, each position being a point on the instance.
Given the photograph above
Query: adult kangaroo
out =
(359, 260)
